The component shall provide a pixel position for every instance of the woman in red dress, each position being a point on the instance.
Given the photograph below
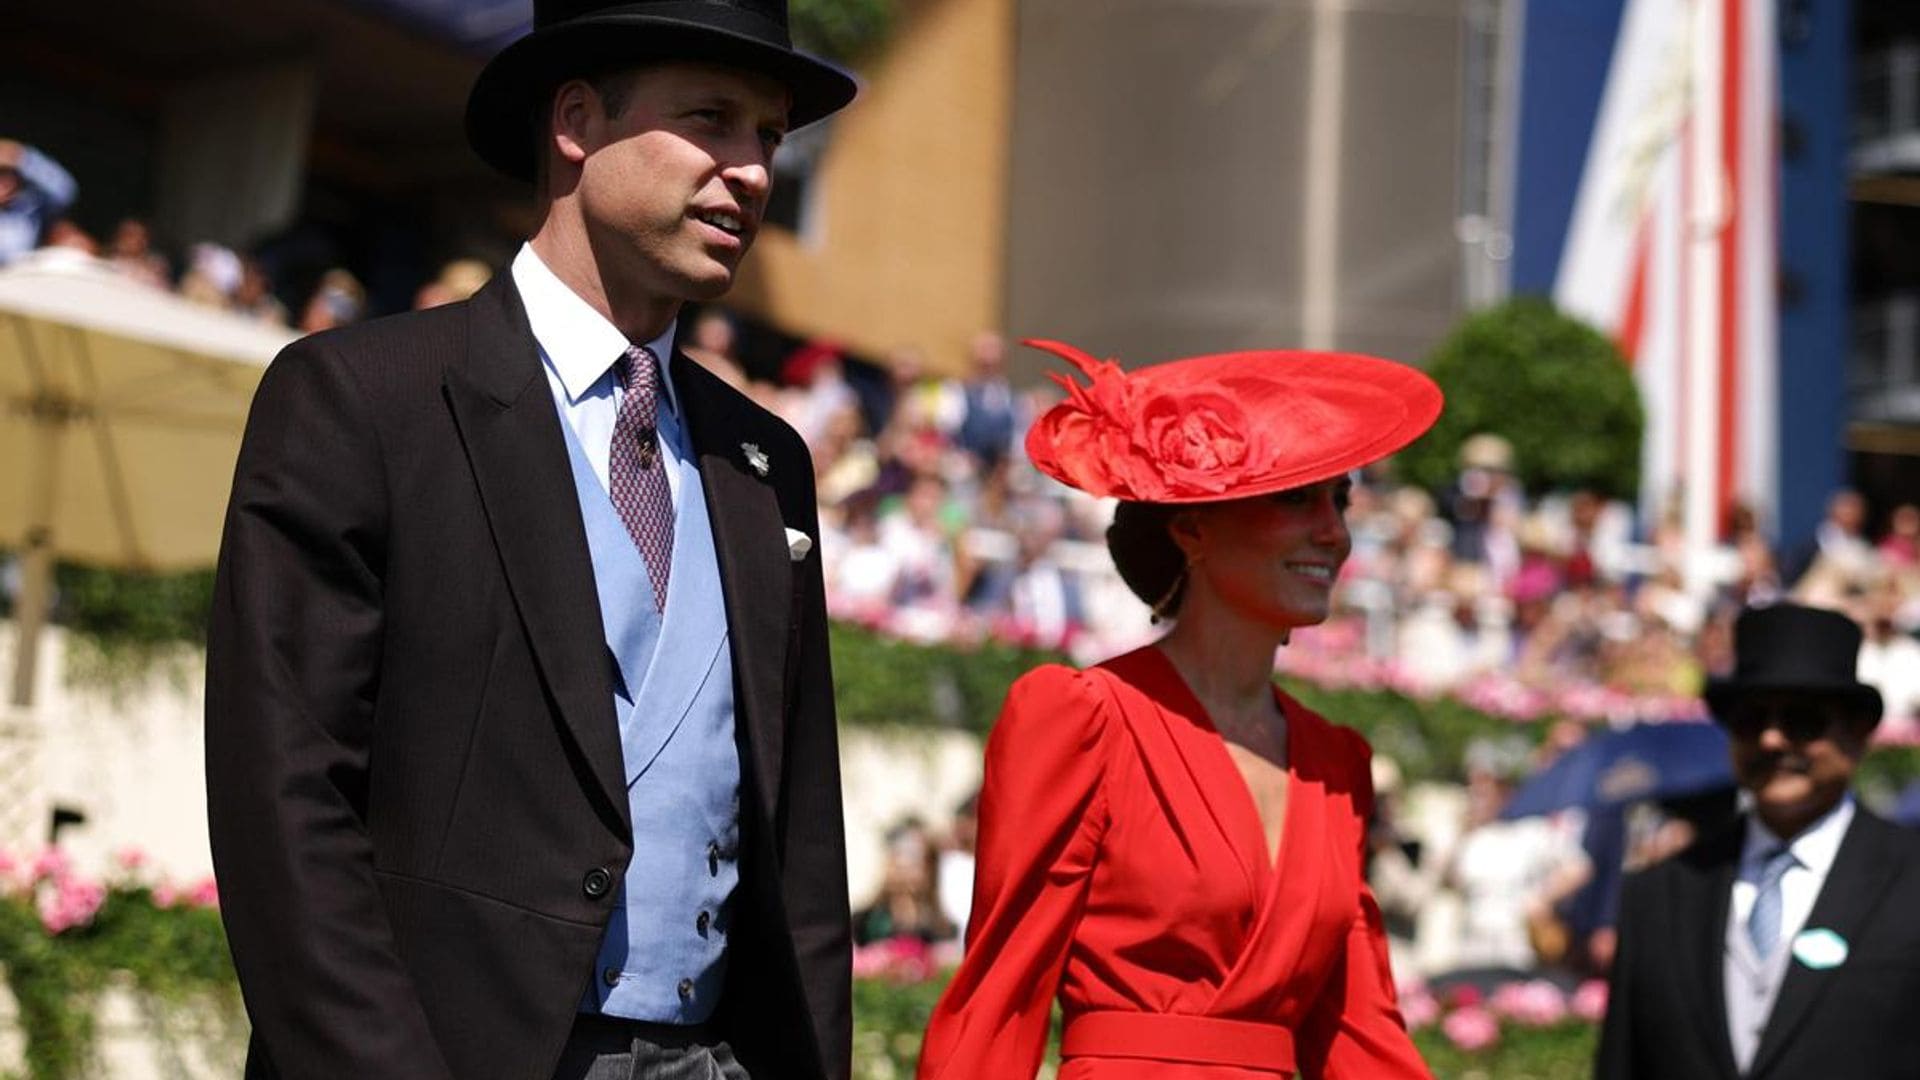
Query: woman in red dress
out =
(1168, 842)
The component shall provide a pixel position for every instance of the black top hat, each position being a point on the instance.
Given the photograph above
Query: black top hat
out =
(1795, 649)
(578, 37)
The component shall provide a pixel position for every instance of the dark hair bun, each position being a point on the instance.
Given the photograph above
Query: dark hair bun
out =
(1145, 554)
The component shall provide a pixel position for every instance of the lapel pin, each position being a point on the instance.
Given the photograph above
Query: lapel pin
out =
(1820, 948)
(755, 457)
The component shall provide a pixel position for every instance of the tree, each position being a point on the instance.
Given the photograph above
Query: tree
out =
(1553, 386)
(841, 30)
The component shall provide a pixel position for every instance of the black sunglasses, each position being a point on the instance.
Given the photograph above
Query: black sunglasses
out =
(1799, 721)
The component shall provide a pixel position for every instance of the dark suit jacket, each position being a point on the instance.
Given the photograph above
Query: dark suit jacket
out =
(413, 765)
(1667, 1015)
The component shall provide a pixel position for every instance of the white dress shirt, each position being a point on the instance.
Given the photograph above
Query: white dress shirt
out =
(578, 348)
(1751, 983)
(1813, 852)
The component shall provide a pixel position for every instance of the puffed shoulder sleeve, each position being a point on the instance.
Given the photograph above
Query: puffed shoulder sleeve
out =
(1042, 812)
(1355, 1031)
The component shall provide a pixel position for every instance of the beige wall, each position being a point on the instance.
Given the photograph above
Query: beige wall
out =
(909, 247)
(1164, 164)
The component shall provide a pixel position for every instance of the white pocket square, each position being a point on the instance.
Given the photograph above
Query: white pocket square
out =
(798, 544)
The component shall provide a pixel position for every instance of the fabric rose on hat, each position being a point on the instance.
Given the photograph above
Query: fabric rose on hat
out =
(1199, 441)
(1225, 426)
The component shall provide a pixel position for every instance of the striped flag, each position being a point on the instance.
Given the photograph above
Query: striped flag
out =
(1673, 248)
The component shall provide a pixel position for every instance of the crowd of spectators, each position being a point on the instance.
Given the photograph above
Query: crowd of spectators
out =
(36, 194)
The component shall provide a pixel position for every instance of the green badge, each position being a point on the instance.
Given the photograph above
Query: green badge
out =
(1820, 948)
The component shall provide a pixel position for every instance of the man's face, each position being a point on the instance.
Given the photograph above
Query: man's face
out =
(1795, 753)
(672, 188)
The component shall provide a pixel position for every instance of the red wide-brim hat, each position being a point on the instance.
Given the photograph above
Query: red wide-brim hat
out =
(1226, 426)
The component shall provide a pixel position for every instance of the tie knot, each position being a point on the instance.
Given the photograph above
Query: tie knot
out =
(1778, 861)
(637, 370)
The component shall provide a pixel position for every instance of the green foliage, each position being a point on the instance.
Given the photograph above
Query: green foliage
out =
(1562, 1052)
(842, 30)
(1554, 387)
(128, 610)
(880, 681)
(1426, 737)
(174, 960)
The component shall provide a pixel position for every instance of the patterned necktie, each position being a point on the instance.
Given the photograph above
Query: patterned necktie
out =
(1763, 923)
(637, 477)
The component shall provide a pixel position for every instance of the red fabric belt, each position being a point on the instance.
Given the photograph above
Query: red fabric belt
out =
(1194, 1040)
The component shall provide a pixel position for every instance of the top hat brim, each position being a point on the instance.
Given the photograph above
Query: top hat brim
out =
(505, 106)
(1722, 694)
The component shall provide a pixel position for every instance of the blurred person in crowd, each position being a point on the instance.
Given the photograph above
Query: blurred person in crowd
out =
(1045, 602)
(1889, 659)
(213, 275)
(1480, 503)
(1168, 842)
(987, 403)
(131, 251)
(862, 571)
(338, 300)
(1784, 946)
(1510, 875)
(917, 535)
(908, 904)
(521, 741)
(712, 346)
(815, 374)
(1838, 541)
(34, 193)
(954, 875)
(254, 297)
(1900, 548)
(845, 459)
(456, 281)
(67, 235)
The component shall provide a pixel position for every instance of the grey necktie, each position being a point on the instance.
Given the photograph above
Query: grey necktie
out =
(1763, 922)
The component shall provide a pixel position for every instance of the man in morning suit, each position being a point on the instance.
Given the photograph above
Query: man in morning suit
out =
(520, 739)
(1788, 946)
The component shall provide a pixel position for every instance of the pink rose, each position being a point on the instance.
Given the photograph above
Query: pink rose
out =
(1471, 1029)
(1589, 1001)
(70, 904)
(1536, 1003)
(1419, 1008)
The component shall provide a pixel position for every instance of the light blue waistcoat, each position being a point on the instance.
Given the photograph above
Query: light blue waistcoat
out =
(664, 956)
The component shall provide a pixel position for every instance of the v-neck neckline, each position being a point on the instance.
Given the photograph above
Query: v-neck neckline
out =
(1269, 861)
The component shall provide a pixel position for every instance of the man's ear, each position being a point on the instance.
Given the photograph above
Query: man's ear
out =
(574, 121)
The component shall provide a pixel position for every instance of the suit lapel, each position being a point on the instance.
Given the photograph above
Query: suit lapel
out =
(518, 455)
(1712, 895)
(1854, 887)
(749, 537)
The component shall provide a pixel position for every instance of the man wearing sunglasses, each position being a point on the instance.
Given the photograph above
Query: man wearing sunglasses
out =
(1789, 945)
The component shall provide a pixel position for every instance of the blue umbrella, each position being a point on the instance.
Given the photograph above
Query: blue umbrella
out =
(1646, 761)
(1907, 810)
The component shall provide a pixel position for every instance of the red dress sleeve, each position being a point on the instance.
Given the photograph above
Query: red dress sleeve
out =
(1042, 811)
(1355, 1031)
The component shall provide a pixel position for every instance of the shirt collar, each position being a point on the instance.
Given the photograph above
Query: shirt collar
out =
(579, 342)
(1815, 848)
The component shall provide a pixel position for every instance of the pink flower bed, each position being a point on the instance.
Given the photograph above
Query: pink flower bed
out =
(65, 899)
(1473, 1021)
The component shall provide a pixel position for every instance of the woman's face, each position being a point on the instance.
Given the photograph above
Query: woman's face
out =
(1271, 559)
